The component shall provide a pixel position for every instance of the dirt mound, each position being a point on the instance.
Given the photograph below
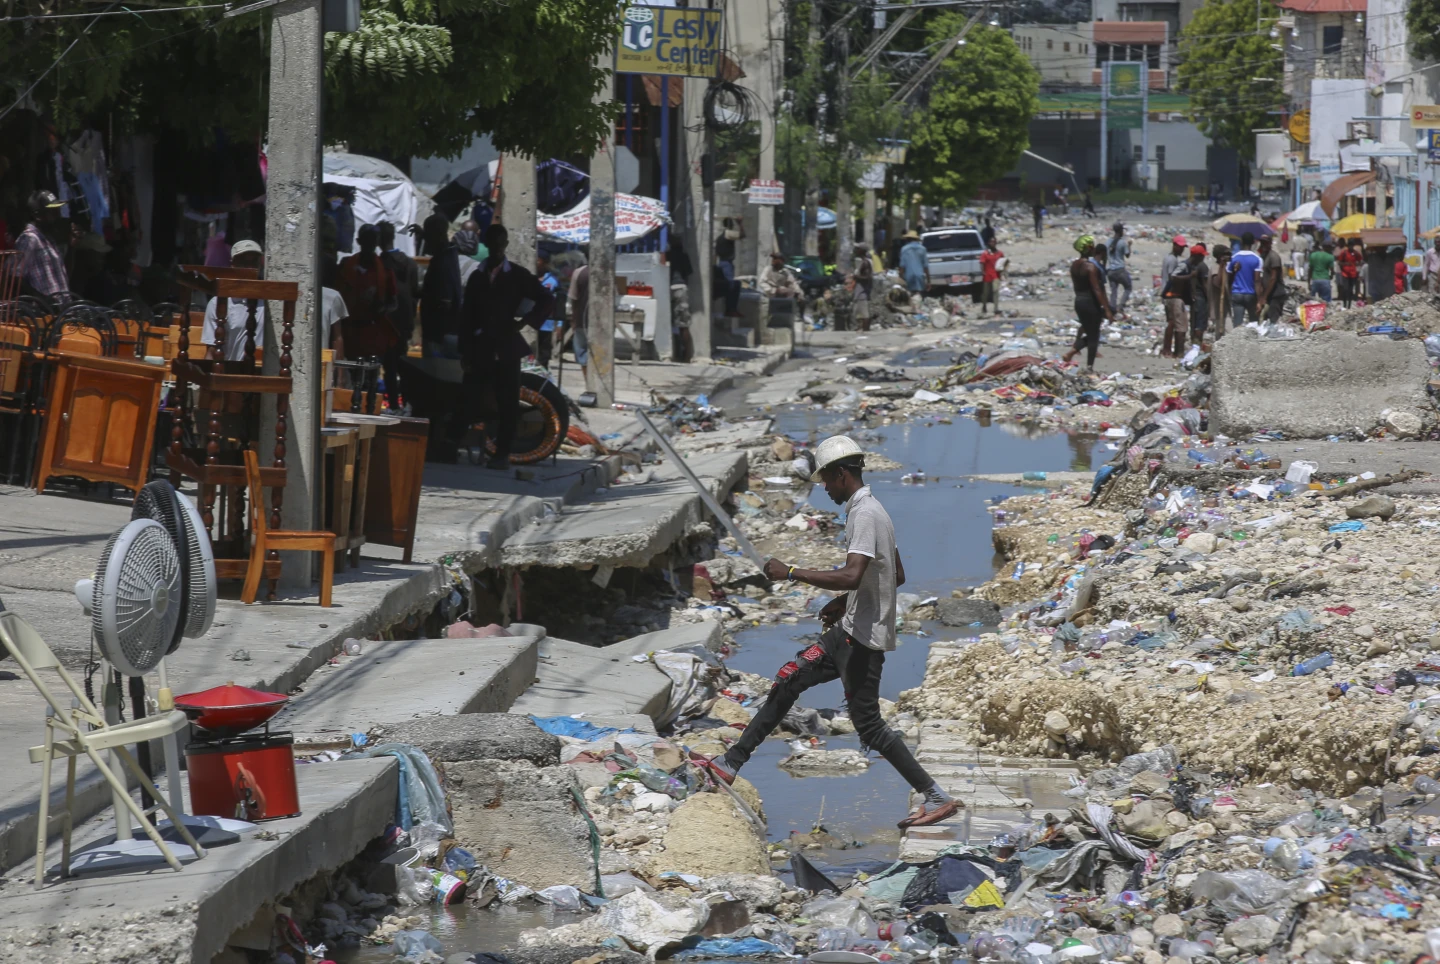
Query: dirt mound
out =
(1417, 312)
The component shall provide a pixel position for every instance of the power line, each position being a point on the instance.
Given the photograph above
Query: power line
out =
(122, 12)
(19, 100)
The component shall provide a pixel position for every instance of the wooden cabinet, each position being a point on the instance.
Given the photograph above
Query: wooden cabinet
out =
(397, 468)
(100, 420)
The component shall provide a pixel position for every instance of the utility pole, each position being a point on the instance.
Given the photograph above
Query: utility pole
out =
(1104, 128)
(517, 208)
(868, 236)
(700, 215)
(812, 176)
(292, 253)
(600, 370)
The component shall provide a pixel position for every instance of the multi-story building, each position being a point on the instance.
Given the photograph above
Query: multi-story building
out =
(1324, 40)
(1062, 53)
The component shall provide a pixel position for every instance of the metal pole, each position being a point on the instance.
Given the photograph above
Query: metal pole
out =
(1104, 127)
(1145, 119)
(665, 159)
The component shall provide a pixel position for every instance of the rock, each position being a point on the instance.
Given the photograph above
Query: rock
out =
(1153, 957)
(1405, 425)
(782, 449)
(1252, 933)
(1202, 542)
(1379, 647)
(828, 761)
(708, 836)
(1168, 925)
(1141, 937)
(759, 892)
(1147, 819)
(1056, 724)
(1376, 506)
(730, 711)
(1365, 631)
(1239, 603)
(521, 821)
(476, 736)
(963, 612)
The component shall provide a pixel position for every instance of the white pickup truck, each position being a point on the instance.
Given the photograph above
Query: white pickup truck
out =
(954, 259)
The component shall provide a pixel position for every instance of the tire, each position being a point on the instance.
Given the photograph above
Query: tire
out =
(544, 420)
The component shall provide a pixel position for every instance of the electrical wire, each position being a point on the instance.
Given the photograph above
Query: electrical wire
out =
(95, 18)
(123, 12)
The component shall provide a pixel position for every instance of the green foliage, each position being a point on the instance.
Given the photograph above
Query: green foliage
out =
(1422, 17)
(420, 77)
(976, 123)
(1231, 72)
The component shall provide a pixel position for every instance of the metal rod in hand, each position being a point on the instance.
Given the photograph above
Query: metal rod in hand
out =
(705, 496)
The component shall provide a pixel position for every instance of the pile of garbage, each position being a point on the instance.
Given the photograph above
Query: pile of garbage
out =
(1412, 312)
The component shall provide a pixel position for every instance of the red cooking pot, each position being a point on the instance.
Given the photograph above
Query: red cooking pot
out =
(230, 708)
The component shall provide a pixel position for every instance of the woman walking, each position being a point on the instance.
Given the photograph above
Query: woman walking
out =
(1091, 305)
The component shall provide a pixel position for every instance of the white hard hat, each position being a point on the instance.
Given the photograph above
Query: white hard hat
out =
(832, 450)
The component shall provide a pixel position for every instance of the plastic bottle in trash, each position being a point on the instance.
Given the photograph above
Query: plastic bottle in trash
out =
(1312, 665)
(918, 942)
(1019, 571)
(352, 647)
(1033, 476)
(1188, 950)
(1288, 855)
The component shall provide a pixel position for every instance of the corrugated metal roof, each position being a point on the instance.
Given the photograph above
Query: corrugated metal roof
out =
(1323, 6)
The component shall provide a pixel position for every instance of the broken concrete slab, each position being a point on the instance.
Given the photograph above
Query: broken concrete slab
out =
(188, 916)
(395, 680)
(522, 821)
(625, 525)
(1327, 383)
(477, 736)
(575, 676)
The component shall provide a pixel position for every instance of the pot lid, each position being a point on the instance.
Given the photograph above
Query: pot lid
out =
(229, 696)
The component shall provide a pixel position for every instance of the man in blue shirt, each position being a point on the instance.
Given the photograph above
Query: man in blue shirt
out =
(1244, 269)
(915, 264)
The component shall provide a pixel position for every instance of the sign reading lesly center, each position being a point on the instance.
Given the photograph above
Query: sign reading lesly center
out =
(676, 41)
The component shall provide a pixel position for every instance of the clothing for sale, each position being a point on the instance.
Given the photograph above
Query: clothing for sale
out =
(870, 609)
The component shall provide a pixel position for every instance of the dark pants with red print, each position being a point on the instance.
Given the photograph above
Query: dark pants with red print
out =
(835, 656)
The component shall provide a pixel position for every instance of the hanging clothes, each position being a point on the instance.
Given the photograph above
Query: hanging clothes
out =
(86, 157)
(559, 186)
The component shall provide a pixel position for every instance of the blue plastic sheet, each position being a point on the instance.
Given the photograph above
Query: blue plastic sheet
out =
(579, 729)
(1353, 525)
(726, 947)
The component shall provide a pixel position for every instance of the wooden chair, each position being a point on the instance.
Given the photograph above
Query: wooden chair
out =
(267, 539)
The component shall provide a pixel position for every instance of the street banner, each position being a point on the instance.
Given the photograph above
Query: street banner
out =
(635, 217)
(671, 41)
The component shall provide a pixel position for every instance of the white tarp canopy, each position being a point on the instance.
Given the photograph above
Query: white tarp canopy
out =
(382, 193)
(635, 217)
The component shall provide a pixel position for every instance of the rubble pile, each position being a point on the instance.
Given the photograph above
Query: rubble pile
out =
(1415, 312)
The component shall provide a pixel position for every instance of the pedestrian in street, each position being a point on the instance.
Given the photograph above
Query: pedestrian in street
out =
(859, 629)
(1177, 325)
(1245, 271)
(1118, 270)
(1271, 302)
(235, 346)
(1217, 293)
(370, 292)
(1348, 263)
(1100, 259)
(914, 264)
(1300, 247)
(1062, 203)
(1091, 306)
(577, 309)
(1039, 210)
(1431, 265)
(545, 334)
(864, 274)
(990, 260)
(491, 345)
(42, 251)
(733, 229)
(440, 293)
(1199, 286)
(987, 233)
(1402, 275)
(1089, 204)
(407, 294)
(1213, 198)
(1322, 266)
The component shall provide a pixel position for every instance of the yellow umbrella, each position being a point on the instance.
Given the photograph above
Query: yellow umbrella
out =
(1352, 226)
(1218, 223)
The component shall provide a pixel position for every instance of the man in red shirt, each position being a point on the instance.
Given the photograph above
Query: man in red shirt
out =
(1348, 261)
(990, 260)
(1402, 275)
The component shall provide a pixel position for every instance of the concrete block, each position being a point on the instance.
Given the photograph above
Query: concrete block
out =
(392, 681)
(1322, 384)
(522, 821)
(478, 736)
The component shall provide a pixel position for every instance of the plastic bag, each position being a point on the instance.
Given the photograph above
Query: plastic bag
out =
(562, 896)
(836, 939)
(1238, 892)
(414, 886)
(421, 799)
(458, 858)
(1163, 760)
(618, 885)
(420, 947)
(834, 911)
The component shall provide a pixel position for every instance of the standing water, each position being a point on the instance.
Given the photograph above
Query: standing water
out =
(942, 529)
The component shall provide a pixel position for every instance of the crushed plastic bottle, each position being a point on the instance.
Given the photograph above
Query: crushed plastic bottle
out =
(1312, 665)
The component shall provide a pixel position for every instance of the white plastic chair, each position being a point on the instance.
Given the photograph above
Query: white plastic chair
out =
(81, 728)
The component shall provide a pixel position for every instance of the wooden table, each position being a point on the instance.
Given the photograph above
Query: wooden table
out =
(397, 470)
(347, 448)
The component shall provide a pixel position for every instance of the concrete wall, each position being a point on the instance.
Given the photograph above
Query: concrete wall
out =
(1324, 384)
(1178, 151)
(1305, 61)
(1062, 53)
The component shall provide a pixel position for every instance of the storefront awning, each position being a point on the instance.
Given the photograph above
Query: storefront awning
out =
(1342, 186)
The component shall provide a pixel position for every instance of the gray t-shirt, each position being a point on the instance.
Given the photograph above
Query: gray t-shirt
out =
(1119, 251)
(870, 610)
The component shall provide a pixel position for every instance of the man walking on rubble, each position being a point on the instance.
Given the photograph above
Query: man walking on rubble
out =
(859, 631)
